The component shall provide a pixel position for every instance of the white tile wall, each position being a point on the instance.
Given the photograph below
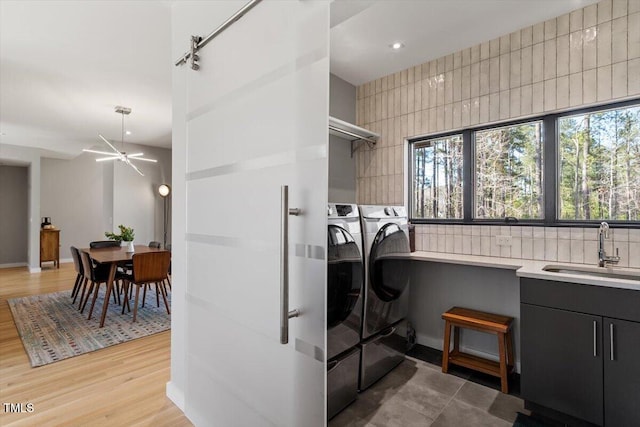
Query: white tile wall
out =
(575, 245)
(591, 55)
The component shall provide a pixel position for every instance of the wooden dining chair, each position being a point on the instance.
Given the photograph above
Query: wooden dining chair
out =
(148, 268)
(95, 275)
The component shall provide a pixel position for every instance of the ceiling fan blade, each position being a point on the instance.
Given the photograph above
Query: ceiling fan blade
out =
(103, 159)
(135, 155)
(109, 144)
(99, 152)
(144, 160)
(135, 168)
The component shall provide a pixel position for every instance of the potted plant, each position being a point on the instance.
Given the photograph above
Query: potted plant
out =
(126, 235)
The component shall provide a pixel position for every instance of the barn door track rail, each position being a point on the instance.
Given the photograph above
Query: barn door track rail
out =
(197, 42)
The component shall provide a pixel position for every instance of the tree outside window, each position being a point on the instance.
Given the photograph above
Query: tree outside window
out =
(437, 178)
(599, 165)
(508, 172)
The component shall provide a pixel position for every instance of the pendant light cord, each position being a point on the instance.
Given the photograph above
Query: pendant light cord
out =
(122, 135)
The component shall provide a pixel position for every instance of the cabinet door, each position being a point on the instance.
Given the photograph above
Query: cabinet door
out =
(621, 373)
(562, 361)
(46, 246)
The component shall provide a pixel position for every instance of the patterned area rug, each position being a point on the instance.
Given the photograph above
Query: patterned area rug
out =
(53, 329)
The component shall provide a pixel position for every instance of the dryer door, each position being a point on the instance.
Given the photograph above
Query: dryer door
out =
(344, 275)
(389, 262)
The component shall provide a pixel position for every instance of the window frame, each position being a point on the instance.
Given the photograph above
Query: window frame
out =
(473, 158)
(417, 144)
(550, 171)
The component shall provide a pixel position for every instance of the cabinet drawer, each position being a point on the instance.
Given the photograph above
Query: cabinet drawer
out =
(598, 300)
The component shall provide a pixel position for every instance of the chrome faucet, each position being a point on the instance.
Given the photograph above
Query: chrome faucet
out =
(603, 258)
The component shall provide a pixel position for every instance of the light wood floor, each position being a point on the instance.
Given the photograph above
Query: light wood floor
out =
(122, 385)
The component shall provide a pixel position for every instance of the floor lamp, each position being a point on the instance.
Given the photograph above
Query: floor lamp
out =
(164, 190)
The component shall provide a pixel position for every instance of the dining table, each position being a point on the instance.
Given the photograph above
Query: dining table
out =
(114, 256)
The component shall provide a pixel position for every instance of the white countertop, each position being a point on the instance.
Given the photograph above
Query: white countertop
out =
(534, 269)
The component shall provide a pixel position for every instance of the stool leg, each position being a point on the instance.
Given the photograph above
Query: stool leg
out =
(456, 339)
(445, 346)
(511, 363)
(503, 363)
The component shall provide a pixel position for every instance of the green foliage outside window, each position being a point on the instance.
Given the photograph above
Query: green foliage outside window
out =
(600, 165)
(596, 154)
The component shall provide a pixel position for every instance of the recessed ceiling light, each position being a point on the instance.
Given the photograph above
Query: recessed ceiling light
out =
(397, 45)
(128, 132)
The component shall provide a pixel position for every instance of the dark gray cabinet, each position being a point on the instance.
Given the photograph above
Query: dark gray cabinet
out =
(621, 372)
(562, 361)
(580, 348)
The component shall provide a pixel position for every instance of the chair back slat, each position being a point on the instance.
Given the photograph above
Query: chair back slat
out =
(155, 245)
(151, 266)
(77, 263)
(87, 265)
(104, 244)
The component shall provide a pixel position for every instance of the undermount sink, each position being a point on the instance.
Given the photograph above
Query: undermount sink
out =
(595, 271)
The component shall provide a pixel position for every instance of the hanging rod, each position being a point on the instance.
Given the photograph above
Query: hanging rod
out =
(354, 135)
(341, 129)
(198, 43)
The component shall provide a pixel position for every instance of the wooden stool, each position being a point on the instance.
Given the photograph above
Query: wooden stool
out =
(459, 317)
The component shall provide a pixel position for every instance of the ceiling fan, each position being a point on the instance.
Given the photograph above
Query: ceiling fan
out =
(117, 154)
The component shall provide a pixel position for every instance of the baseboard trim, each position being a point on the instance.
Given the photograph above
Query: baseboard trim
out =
(13, 264)
(176, 395)
(35, 270)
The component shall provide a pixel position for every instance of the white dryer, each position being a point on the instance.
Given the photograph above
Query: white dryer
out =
(345, 284)
(386, 294)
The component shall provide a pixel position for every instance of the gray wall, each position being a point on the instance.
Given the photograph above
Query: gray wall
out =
(31, 157)
(342, 167)
(131, 190)
(84, 198)
(14, 215)
(436, 287)
(72, 197)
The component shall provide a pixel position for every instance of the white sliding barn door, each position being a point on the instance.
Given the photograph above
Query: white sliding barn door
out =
(253, 118)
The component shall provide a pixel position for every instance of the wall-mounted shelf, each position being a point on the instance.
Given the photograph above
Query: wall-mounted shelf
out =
(353, 133)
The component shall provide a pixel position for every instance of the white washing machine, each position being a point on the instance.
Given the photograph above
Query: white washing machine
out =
(345, 284)
(386, 291)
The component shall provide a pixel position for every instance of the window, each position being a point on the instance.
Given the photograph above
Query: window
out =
(437, 178)
(508, 172)
(581, 166)
(599, 165)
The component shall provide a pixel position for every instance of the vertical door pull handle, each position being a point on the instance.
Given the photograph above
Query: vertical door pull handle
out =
(285, 313)
(612, 356)
(595, 339)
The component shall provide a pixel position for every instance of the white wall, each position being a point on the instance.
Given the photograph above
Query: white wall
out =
(14, 211)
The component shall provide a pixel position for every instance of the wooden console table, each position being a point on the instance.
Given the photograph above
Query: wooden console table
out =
(50, 246)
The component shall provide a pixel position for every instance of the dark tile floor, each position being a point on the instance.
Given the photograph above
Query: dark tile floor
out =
(433, 356)
(417, 393)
